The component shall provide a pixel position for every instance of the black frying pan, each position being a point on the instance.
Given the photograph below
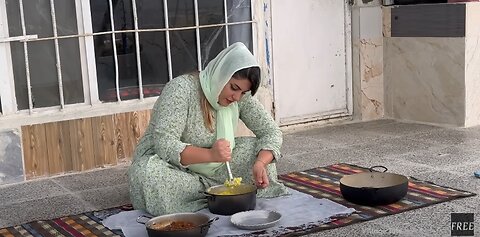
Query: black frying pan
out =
(374, 188)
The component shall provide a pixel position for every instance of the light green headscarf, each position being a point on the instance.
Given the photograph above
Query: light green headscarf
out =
(212, 79)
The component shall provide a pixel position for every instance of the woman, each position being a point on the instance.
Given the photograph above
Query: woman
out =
(191, 136)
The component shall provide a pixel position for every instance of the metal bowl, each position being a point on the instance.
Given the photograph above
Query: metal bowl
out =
(200, 221)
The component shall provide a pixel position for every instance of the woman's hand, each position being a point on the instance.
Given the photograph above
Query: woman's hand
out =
(260, 174)
(220, 151)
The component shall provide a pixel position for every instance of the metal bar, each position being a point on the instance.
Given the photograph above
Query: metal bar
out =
(115, 58)
(254, 29)
(57, 55)
(27, 66)
(197, 31)
(19, 38)
(225, 9)
(137, 49)
(32, 39)
(167, 39)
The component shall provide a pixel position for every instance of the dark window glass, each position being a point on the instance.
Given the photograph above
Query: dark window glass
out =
(103, 49)
(38, 18)
(66, 18)
(150, 14)
(43, 74)
(184, 52)
(71, 70)
(69, 50)
(153, 56)
(241, 33)
(181, 13)
(41, 54)
(13, 14)
(212, 42)
(20, 78)
(153, 52)
(239, 10)
(211, 12)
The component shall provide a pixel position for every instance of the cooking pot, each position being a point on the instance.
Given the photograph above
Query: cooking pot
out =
(201, 225)
(374, 188)
(223, 200)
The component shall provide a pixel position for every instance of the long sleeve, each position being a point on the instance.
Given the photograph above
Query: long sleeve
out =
(169, 120)
(261, 123)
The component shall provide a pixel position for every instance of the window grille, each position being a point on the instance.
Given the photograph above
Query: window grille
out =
(79, 52)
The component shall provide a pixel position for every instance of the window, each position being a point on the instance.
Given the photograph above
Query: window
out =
(50, 41)
(43, 77)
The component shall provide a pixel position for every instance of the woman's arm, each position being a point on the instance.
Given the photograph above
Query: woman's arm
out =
(265, 157)
(193, 155)
(220, 152)
(261, 123)
(169, 119)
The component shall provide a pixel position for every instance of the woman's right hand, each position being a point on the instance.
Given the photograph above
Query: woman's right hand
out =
(220, 151)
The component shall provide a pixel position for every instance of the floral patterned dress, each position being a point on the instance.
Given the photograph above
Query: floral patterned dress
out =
(160, 184)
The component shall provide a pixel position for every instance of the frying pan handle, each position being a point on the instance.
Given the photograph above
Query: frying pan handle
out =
(204, 227)
(378, 166)
(142, 217)
(212, 220)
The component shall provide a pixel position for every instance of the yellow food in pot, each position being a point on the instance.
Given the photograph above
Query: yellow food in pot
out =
(233, 183)
(229, 191)
(223, 190)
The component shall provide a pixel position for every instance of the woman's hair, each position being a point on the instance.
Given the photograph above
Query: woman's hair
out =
(251, 73)
(207, 112)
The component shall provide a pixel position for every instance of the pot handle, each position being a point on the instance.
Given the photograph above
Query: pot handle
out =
(140, 218)
(205, 193)
(378, 166)
(204, 227)
(208, 195)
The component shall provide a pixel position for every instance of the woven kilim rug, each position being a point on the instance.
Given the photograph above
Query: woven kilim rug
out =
(86, 224)
(322, 182)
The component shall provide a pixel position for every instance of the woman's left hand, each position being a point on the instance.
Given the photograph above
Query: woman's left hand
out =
(260, 174)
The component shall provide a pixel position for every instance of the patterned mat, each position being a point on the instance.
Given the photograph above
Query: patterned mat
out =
(323, 182)
(319, 182)
(86, 224)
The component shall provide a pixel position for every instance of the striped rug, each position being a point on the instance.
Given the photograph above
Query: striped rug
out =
(322, 182)
(82, 225)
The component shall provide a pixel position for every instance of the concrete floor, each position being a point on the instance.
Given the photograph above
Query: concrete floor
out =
(445, 156)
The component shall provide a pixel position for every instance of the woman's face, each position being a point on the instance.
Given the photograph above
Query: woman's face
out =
(233, 91)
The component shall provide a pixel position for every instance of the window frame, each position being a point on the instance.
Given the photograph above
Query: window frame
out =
(92, 105)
